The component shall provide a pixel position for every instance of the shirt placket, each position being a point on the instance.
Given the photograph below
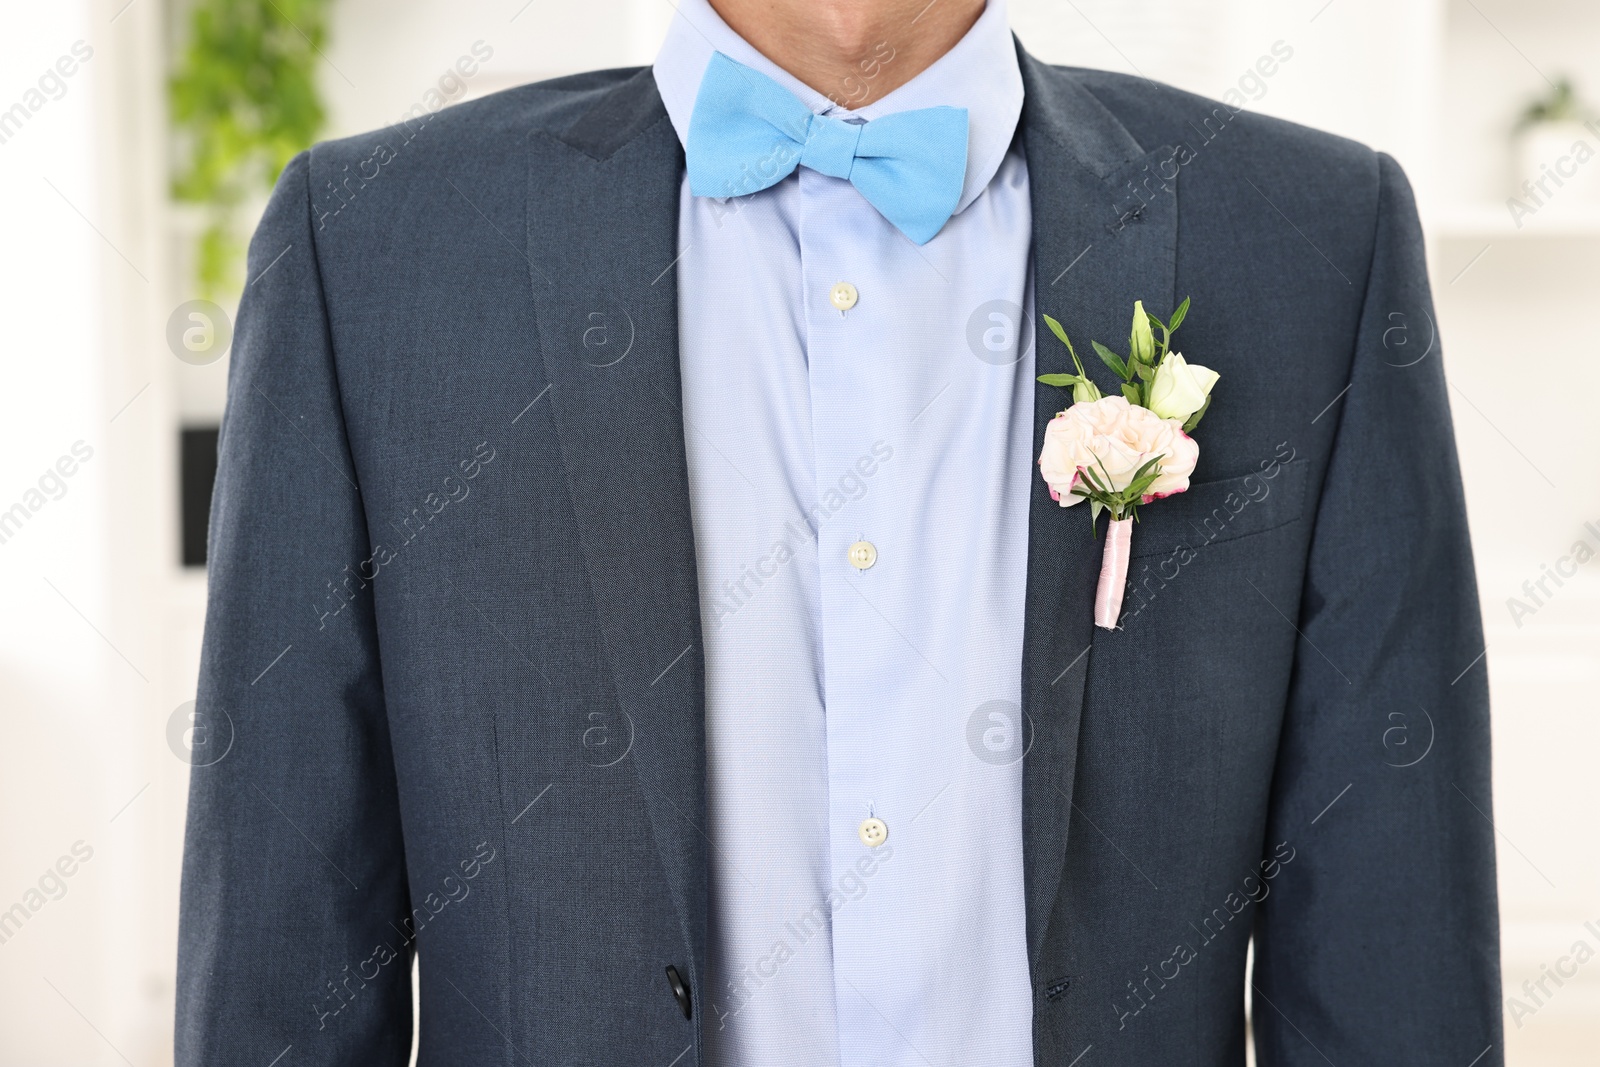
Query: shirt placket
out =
(848, 317)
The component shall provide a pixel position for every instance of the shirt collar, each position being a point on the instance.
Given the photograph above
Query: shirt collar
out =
(980, 74)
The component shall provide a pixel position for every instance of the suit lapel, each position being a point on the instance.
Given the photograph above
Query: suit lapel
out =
(602, 234)
(1105, 234)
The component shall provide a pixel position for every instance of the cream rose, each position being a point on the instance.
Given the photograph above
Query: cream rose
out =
(1115, 438)
(1180, 388)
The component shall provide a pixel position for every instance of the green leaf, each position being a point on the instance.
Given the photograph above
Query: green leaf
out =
(1178, 316)
(1137, 487)
(1112, 360)
(1142, 479)
(1145, 372)
(1064, 380)
(1194, 420)
(1163, 343)
(1152, 462)
(1132, 393)
(1055, 328)
(1110, 481)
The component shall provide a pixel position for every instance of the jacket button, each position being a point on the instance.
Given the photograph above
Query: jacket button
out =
(680, 989)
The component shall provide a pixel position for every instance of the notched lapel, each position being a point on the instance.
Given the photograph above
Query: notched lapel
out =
(602, 237)
(1105, 222)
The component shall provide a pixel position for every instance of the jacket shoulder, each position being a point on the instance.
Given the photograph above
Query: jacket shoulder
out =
(476, 126)
(363, 187)
(1231, 138)
(1234, 165)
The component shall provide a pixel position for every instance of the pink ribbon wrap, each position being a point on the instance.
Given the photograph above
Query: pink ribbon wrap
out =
(1113, 574)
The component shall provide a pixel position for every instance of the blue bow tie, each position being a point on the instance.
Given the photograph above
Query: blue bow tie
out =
(748, 133)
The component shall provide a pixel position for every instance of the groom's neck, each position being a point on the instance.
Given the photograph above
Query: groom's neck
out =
(852, 51)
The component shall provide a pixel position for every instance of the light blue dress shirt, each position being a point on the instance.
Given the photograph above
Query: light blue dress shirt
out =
(897, 433)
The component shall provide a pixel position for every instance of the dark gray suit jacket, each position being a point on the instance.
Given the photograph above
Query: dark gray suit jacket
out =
(454, 630)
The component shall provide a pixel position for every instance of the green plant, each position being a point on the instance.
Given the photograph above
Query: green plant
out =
(244, 100)
(1560, 104)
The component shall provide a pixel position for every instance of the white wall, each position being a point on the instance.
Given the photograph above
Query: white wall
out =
(1361, 68)
(81, 670)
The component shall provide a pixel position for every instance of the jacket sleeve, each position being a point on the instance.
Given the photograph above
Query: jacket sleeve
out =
(294, 900)
(1381, 943)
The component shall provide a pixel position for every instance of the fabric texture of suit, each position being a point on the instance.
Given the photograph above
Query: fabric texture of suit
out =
(453, 619)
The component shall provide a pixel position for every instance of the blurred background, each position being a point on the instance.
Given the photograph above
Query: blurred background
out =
(138, 139)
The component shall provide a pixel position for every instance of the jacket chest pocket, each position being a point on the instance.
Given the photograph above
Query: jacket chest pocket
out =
(1222, 510)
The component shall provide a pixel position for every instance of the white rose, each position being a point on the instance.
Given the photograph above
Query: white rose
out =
(1114, 439)
(1180, 388)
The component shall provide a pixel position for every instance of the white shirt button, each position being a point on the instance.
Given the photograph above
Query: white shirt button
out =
(863, 554)
(843, 296)
(873, 832)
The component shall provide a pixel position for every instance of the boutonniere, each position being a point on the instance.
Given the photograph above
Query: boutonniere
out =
(1119, 452)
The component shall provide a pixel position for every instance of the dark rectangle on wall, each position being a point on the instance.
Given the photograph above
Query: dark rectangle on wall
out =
(197, 472)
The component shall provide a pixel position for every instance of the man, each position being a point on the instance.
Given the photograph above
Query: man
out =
(634, 594)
